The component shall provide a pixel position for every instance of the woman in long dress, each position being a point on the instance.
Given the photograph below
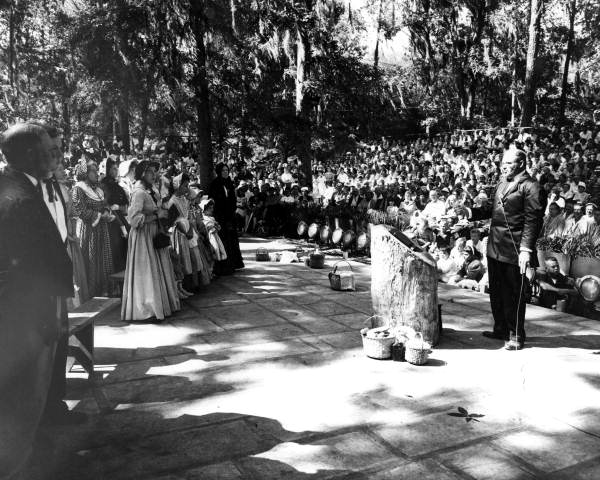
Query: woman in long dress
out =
(182, 231)
(117, 200)
(149, 289)
(80, 284)
(222, 192)
(94, 216)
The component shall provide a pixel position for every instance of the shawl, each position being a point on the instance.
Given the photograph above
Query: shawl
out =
(93, 192)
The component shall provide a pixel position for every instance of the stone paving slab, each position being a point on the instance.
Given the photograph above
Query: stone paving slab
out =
(262, 376)
(484, 462)
(325, 458)
(427, 469)
(550, 447)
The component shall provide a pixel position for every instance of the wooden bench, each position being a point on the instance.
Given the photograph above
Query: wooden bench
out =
(81, 331)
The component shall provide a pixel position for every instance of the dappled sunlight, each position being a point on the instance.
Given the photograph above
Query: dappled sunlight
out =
(304, 458)
(139, 336)
(265, 377)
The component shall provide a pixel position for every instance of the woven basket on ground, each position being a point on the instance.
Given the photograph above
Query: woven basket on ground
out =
(376, 347)
(417, 350)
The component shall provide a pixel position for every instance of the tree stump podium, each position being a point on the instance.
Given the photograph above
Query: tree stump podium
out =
(404, 283)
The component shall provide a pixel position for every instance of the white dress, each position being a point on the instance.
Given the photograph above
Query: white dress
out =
(149, 289)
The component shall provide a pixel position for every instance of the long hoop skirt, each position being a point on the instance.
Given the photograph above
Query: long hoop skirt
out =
(149, 289)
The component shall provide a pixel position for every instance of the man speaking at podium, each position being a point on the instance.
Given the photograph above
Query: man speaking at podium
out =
(516, 220)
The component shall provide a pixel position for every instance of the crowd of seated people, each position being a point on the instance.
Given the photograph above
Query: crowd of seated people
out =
(425, 181)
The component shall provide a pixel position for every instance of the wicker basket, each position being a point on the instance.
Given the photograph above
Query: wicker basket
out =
(417, 350)
(378, 348)
(342, 280)
(262, 255)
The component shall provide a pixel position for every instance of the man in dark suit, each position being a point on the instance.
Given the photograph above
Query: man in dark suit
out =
(35, 272)
(56, 410)
(516, 216)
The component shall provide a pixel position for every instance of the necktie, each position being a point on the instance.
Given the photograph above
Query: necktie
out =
(50, 190)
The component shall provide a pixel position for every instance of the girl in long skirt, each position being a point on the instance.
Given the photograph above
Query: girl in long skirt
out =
(182, 232)
(222, 265)
(202, 260)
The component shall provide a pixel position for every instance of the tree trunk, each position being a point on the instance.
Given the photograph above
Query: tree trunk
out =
(66, 122)
(513, 93)
(467, 95)
(11, 45)
(565, 78)
(376, 52)
(233, 8)
(303, 133)
(123, 114)
(467, 100)
(144, 122)
(536, 12)
(403, 284)
(205, 160)
(113, 117)
(244, 119)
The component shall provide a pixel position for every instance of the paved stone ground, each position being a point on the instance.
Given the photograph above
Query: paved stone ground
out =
(262, 377)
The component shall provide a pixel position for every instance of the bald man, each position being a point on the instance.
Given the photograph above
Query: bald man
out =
(35, 271)
(516, 216)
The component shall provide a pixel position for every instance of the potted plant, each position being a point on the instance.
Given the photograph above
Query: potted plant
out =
(585, 252)
(553, 247)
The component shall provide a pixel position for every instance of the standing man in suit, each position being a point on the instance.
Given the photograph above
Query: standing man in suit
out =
(56, 410)
(516, 220)
(35, 273)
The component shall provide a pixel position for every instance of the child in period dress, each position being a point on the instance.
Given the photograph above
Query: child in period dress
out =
(212, 228)
(200, 249)
(181, 233)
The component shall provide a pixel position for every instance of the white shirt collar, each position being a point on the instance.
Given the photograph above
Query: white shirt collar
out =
(33, 180)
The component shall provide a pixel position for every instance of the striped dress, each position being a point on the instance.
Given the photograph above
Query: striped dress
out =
(93, 235)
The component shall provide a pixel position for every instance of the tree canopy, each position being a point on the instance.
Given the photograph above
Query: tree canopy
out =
(300, 75)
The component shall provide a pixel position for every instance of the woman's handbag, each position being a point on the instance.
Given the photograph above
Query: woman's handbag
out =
(161, 240)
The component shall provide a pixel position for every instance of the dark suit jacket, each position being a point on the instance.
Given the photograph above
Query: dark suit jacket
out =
(225, 205)
(518, 210)
(34, 268)
(32, 254)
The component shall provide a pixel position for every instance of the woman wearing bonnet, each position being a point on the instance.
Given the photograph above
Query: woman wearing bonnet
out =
(90, 207)
(149, 289)
(202, 260)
